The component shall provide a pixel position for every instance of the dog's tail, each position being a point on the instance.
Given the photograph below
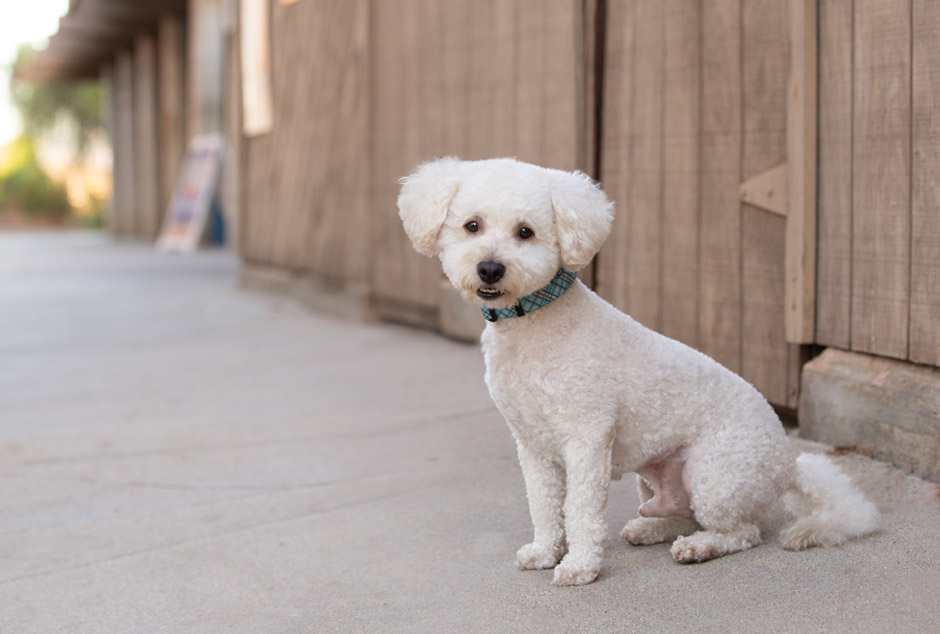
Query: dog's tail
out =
(829, 507)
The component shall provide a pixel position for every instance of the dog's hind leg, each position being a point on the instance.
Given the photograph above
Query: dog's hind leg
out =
(727, 505)
(644, 531)
(704, 545)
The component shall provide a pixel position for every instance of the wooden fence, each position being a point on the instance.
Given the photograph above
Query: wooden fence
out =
(683, 108)
(694, 104)
(879, 178)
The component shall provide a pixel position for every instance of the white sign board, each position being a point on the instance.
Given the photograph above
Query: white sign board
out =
(257, 101)
(188, 213)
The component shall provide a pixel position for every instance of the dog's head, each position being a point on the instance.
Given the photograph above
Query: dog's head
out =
(503, 228)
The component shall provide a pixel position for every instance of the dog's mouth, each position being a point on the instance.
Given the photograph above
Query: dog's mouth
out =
(489, 293)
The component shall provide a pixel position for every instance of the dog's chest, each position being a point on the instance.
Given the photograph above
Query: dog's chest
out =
(530, 390)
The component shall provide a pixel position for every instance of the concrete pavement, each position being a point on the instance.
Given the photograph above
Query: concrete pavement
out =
(179, 455)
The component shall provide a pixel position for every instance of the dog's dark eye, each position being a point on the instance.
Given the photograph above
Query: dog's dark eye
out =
(473, 226)
(525, 233)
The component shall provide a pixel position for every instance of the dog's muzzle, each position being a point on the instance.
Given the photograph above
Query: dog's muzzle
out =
(491, 271)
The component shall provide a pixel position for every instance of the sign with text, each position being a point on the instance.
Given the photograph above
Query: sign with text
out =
(188, 213)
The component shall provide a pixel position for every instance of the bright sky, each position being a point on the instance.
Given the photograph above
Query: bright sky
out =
(29, 22)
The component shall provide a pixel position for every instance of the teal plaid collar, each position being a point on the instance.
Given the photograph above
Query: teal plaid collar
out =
(546, 295)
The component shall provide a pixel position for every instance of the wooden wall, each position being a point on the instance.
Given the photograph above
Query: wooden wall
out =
(879, 194)
(694, 105)
(306, 184)
(695, 98)
(123, 118)
(148, 194)
(477, 80)
(171, 62)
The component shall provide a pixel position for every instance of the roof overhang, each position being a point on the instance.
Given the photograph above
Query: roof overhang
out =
(91, 33)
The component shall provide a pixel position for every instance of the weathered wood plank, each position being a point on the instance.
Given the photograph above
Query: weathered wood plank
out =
(400, 61)
(679, 290)
(230, 184)
(720, 174)
(147, 189)
(124, 172)
(765, 74)
(834, 239)
(882, 171)
(644, 201)
(880, 405)
(562, 95)
(172, 72)
(802, 106)
(108, 107)
(339, 233)
(616, 161)
(925, 213)
(489, 99)
(306, 182)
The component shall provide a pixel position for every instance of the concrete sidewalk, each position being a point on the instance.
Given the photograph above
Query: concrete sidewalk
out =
(177, 455)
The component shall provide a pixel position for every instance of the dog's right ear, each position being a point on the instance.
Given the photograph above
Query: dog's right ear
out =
(425, 197)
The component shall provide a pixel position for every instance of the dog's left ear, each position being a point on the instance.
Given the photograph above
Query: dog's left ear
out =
(425, 197)
(583, 216)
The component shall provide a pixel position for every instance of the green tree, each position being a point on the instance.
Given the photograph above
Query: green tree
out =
(25, 186)
(42, 104)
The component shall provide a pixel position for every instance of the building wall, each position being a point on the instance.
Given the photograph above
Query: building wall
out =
(148, 192)
(879, 149)
(122, 96)
(472, 79)
(306, 183)
(695, 105)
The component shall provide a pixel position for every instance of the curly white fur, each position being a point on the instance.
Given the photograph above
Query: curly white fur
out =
(590, 394)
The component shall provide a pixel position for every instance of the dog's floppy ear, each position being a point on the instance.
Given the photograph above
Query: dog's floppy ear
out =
(583, 216)
(425, 198)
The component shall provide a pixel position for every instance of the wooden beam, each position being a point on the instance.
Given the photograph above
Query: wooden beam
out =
(767, 190)
(800, 264)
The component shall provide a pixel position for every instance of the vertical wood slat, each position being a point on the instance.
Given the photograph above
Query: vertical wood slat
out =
(764, 349)
(171, 61)
(491, 91)
(397, 270)
(834, 240)
(720, 174)
(147, 188)
(882, 170)
(644, 200)
(108, 107)
(495, 78)
(124, 172)
(681, 171)
(306, 182)
(695, 103)
(617, 160)
(925, 211)
(338, 233)
(230, 184)
(802, 105)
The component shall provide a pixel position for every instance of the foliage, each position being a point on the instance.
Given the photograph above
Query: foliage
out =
(42, 105)
(25, 185)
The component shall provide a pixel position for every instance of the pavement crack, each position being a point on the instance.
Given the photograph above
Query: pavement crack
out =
(219, 535)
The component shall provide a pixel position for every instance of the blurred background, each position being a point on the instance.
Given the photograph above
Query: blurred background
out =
(773, 163)
(55, 157)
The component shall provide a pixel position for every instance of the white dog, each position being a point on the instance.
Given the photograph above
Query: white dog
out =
(590, 394)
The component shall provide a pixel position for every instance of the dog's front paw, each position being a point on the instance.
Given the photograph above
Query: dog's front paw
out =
(537, 556)
(576, 571)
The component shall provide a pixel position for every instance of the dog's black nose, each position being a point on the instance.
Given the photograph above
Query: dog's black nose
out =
(490, 272)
